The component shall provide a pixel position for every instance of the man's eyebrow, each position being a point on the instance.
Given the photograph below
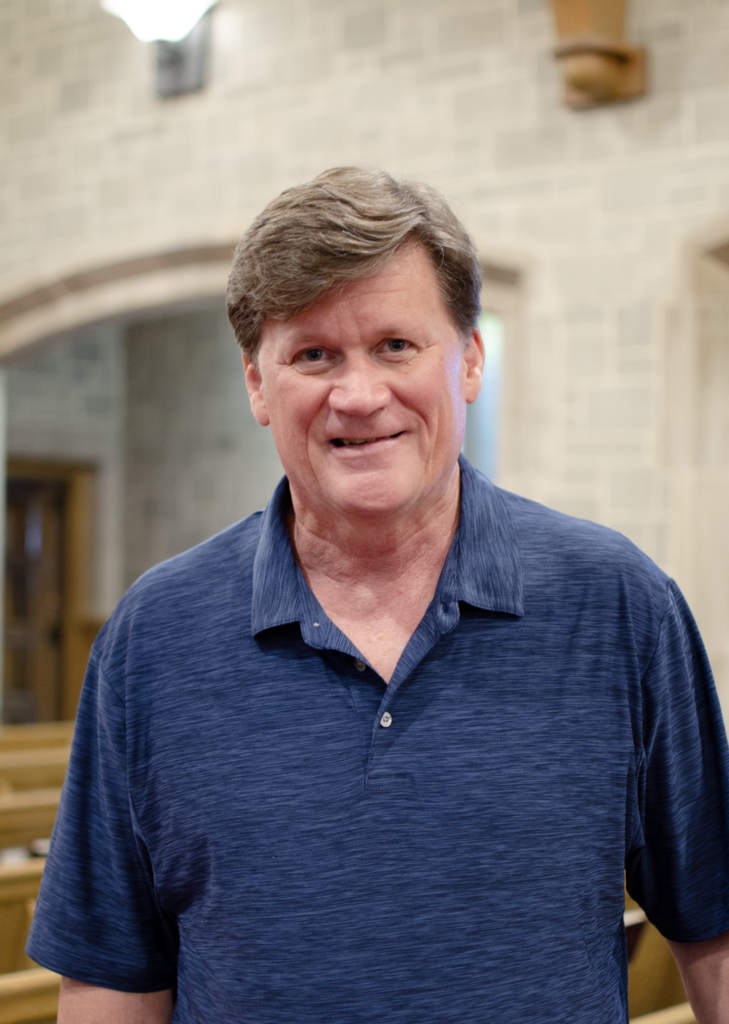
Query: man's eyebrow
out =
(313, 339)
(319, 338)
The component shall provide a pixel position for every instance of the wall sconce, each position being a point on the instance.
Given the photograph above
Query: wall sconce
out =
(598, 65)
(181, 29)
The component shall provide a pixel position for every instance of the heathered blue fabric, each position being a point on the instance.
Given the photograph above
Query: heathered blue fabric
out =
(237, 823)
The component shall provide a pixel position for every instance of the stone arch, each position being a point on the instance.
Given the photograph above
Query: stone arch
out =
(144, 283)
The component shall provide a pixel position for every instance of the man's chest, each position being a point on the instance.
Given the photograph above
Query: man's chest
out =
(480, 753)
(307, 857)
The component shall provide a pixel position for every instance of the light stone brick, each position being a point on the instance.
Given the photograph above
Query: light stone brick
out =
(584, 314)
(527, 7)
(73, 95)
(712, 119)
(594, 273)
(585, 356)
(567, 224)
(634, 325)
(365, 28)
(620, 408)
(707, 66)
(544, 144)
(632, 187)
(659, 32)
(632, 488)
(472, 28)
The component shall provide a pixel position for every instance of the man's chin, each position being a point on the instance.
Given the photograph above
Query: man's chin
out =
(369, 499)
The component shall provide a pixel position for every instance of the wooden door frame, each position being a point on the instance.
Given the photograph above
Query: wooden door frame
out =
(79, 626)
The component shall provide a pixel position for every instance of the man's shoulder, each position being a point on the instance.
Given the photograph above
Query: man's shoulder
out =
(227, 553)
(563, 546)
(191, 585)
(183, 618)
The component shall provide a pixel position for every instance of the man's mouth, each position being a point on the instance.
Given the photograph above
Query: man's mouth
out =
(344, 442)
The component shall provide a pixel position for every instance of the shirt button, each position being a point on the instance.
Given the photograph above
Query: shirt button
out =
(386, 720)
(360, 665)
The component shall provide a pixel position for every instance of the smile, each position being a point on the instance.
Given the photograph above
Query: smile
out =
(343, 442)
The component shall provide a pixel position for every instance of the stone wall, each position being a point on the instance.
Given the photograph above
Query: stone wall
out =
(607, 213)
(196, 460)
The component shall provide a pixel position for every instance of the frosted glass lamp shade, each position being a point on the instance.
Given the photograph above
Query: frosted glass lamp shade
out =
(159, 19)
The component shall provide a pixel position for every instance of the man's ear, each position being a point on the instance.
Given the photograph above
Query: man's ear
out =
(473, 358)
(254, 386)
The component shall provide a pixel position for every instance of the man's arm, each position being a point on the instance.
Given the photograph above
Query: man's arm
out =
(89, 1004)
(704, 969)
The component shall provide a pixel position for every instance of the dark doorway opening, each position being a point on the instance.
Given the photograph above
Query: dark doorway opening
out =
(34, 600)
(48, 628)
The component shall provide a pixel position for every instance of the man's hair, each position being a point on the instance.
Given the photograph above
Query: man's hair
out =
(344, 225)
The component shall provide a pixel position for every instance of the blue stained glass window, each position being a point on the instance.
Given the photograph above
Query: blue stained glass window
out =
(481, 440)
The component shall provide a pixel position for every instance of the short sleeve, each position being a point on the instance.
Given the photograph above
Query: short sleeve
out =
(678, 866)
(97, 919)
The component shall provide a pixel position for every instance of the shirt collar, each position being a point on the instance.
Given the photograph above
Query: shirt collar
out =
(482, 569)
(276, 598)
(489, 566)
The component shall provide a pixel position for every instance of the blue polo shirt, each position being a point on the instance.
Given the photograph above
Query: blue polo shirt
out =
(242, 821)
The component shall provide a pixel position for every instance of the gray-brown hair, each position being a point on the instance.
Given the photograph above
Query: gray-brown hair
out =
(344, 225)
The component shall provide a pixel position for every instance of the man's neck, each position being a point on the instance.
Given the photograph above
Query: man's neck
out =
(375, 578)
(346, 549)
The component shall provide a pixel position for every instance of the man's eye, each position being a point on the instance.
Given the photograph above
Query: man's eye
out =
(314, 355)
(397, 344)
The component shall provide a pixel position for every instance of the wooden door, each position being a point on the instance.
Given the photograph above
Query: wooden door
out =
(48, 628)
(34, 590)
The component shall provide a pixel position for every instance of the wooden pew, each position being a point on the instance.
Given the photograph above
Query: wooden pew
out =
(38, 734)
(682, 1014)
(29, 997)
(654, 983)
(44, 768)
(27, 816)
(19, 884)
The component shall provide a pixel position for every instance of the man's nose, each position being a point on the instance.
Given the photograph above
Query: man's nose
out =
(359, 391)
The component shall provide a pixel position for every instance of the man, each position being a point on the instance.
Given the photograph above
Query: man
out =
(383, 751)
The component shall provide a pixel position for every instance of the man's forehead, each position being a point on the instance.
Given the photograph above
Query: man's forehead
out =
(401, 295)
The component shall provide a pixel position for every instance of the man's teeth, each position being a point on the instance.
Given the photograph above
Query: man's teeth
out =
(341, 442)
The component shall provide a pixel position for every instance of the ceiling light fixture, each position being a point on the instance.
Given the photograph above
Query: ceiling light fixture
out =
(181, 29)
(150, 20)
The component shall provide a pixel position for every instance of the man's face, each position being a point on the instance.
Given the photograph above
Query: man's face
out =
(366, 393)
